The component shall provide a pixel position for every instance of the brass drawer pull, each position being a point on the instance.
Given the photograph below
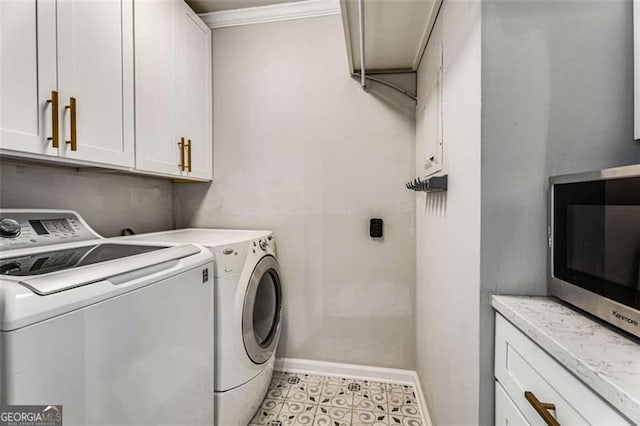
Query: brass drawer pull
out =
(55, 130)
(181, 145)
(542, 408)
(74, 124)
(189, 155)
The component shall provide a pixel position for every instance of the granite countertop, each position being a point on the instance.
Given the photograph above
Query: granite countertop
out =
(606, 360)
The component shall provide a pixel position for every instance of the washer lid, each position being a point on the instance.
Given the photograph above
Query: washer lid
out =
(53, 271)
(204, 236)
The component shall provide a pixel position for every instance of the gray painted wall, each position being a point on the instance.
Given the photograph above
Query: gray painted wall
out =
(108, 201)
(448, 227)
(301, 149)
(557, 97)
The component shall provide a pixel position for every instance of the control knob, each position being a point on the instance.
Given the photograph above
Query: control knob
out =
(263, 245)
(9, 228)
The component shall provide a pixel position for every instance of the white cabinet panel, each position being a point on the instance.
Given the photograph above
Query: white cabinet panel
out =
(27, 75)
(156, 139)
(193, 90)
(95, 66)
(506, 411)
(521, 365)
(84, 50)
(173, 90)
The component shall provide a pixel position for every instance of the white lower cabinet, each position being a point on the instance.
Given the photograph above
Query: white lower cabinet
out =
(530, 385)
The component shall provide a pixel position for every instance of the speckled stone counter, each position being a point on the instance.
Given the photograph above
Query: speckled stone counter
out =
(605, 360)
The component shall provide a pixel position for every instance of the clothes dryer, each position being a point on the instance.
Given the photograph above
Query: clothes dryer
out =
(248, 314)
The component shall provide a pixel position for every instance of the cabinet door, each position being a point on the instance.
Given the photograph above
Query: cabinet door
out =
(27, 75)
(95, 66)
(193, 90)
(155, 62)
(506, 411)
(521, 365)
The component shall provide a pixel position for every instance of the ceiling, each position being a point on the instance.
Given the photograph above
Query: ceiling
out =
(205, 6)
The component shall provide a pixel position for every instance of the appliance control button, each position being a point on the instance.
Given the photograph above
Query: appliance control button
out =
(9, 228)
(264, 245)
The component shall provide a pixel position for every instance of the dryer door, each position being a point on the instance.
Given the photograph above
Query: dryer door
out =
(262, 311)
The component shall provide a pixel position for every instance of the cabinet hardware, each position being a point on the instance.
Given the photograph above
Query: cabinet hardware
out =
(542, 408)
(189, 154)
(74, 124)
(181, 145)
(55, 131)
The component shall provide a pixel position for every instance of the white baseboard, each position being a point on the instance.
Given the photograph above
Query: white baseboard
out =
(362, 372)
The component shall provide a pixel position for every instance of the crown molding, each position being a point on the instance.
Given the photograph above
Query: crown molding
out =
(272, 13)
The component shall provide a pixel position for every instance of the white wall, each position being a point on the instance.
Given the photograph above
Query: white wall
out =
(300, 148)
(108, 201)
(557, 97)
(448, 228)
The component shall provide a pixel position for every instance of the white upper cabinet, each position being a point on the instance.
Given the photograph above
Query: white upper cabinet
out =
(173, 90)
(67, 90)
(193, 90)
(95, 67)
(157, 147)
(67, 80)
(27, 76)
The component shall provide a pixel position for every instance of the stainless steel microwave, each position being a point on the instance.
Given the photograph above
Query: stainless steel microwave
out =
(594, 243)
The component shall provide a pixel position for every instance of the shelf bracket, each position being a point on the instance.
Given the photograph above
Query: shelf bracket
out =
(359, 76)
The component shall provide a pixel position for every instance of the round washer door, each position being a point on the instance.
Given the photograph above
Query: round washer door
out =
(262, 311)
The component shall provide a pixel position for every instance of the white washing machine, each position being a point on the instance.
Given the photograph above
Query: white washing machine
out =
(248, 314)
(117, 332)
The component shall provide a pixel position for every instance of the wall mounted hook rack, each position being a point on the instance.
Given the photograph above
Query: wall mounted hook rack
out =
(433, 184)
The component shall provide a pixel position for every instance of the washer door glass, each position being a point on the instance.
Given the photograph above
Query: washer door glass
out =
(262, 311)
(265, 308)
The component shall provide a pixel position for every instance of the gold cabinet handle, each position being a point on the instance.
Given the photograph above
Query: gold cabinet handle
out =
(55, 130)
(181, 145)
(189, 155)
(542, 408)
(74, 124)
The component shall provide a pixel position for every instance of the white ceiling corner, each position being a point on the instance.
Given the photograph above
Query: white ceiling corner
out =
(271, 13)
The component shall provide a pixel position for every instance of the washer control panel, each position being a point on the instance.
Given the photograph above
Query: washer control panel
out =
(266, 245)
(23, 229)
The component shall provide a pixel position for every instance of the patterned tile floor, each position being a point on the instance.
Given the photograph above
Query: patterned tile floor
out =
(313, 400)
